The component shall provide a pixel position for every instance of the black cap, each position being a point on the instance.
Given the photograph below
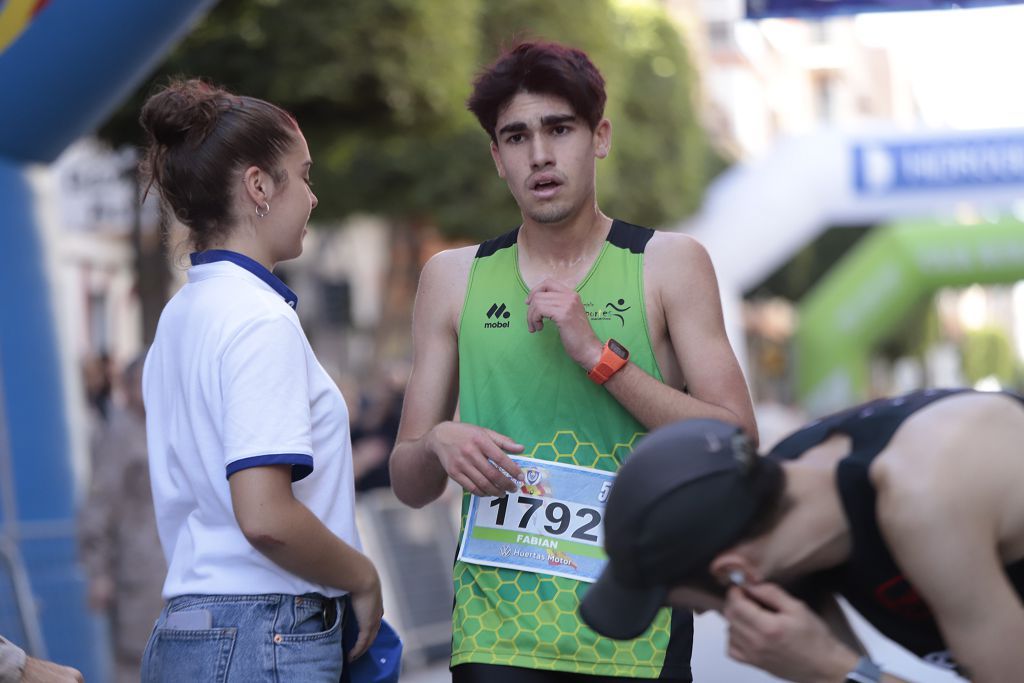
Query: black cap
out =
(689, 491)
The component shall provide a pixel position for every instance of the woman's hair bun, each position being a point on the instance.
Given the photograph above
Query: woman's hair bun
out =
(183, 111)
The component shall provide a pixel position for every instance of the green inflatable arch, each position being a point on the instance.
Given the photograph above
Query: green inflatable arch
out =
(865, 297)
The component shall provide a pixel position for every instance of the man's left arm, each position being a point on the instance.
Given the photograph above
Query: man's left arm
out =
(686, 290)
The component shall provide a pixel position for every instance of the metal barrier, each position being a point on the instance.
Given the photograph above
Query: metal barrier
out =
(22, 627)
(21, 624)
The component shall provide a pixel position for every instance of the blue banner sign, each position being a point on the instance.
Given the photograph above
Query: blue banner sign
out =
(887, 167)
(763, 9)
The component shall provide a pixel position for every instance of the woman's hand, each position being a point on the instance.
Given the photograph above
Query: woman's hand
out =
(368, 608)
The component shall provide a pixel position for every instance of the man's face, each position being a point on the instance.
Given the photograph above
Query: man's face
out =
(546, 153)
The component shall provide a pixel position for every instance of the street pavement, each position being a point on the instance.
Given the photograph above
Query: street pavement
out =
(710, 665)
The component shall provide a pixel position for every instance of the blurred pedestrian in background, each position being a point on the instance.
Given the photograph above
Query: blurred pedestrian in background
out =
(17, 667)
(119, 544)
(96, 376)
(97, 382)
(249, 445)
(375, 427)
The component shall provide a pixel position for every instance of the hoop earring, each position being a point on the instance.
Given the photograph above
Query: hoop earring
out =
(261, 212)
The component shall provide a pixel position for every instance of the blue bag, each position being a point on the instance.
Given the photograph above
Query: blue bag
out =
(381, 663)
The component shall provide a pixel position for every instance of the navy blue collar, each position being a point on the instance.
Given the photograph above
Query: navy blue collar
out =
(253, 266)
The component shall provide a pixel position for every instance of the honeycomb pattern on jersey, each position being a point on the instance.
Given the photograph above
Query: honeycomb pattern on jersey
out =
(503, 616)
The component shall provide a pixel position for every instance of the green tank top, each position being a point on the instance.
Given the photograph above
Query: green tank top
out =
(527, 387)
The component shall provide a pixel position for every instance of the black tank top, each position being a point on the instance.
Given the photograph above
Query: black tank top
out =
(870, 580)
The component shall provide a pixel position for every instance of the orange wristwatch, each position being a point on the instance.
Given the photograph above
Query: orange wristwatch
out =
(613, 358)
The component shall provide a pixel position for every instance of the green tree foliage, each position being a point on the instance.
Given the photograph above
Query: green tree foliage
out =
(379, 87)
(659, 138)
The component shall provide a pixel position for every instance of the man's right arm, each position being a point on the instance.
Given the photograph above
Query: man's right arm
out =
(430, 448)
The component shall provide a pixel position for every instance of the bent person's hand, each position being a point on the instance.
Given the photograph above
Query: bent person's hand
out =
(770, 629)
(471, 456)
(41, 671)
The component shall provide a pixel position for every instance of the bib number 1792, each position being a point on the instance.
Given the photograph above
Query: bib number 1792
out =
(557, 518)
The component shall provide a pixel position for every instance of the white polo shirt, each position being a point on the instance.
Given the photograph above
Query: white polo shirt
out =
(229, 383)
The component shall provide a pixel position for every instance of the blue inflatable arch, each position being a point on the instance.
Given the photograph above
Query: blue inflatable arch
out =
(63, 67)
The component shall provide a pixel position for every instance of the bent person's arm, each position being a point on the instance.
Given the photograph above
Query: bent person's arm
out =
(772, 630)
(950, 557)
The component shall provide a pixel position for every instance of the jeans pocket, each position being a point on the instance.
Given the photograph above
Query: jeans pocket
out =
(175, 655)
(308, 655)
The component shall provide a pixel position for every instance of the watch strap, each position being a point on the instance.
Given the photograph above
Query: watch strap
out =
(608, 364)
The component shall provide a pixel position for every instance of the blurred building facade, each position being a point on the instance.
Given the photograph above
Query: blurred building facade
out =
(794, 101)
(769, 79)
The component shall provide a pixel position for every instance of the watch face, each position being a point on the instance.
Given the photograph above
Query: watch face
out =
(618, 349)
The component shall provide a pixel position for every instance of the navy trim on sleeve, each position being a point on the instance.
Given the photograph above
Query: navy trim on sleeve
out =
(302, 464)
(198, 258)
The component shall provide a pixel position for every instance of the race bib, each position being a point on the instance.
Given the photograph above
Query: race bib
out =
(553, 524)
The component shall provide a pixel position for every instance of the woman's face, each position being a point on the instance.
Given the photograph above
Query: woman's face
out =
(291, 203)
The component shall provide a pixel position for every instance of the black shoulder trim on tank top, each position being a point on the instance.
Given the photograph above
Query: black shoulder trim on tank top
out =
(628, 236)
(501, 242)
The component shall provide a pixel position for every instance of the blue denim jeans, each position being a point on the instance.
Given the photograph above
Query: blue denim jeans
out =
(246, 639)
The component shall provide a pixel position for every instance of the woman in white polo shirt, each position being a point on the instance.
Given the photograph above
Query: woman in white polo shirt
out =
(248, 437)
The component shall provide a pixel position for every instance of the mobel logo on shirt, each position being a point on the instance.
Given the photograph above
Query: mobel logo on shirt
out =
(611, 310)
(497, 316)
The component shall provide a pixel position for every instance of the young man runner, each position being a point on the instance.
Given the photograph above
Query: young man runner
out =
(909, 508)
(561, 342)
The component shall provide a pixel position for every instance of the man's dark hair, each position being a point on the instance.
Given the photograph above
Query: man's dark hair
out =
(689, 491)
(773, 504)
(541, 68)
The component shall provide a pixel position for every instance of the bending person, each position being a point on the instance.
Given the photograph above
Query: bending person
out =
(248, 438)
(908, 507)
